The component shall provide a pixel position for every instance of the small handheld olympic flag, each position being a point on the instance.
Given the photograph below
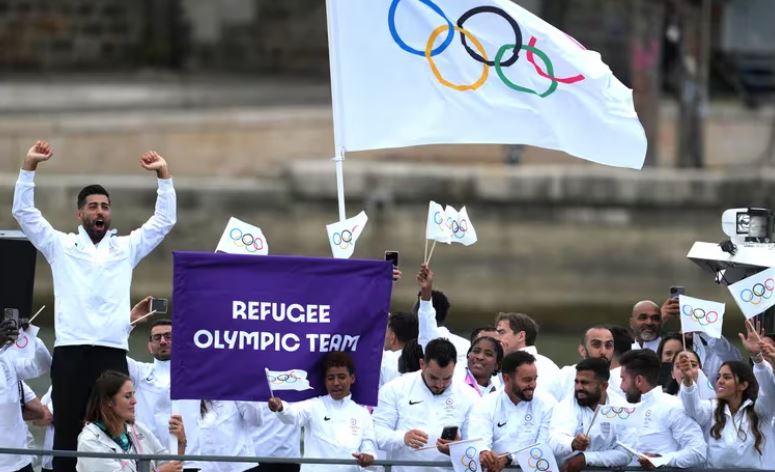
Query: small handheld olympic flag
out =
(292, 379)
(699, 315)
(657, 461)
(436, 228)
(242, 238)
(460, 227)
(754, 295)
(536, 458)
(342, 235)
(24, 346)
(465, 455)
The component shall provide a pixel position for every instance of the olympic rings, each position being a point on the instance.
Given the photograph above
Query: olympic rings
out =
(700, 316)
(345, 238)
(536, 460)
(248, 241)
(406, 47)
(458, 228)
(478, 53)
(22, 341)
(468, 459)
(510, 20)
(539, 71)
(438, 218)
(284, 378)
(612, 412)
(758, 292)
(509, 83)
(461, 88)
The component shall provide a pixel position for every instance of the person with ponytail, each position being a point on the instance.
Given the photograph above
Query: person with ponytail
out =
(110, 427)
(738, 422)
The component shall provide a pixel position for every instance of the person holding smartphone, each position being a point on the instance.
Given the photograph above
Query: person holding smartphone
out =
(14, 368)
(92, 272)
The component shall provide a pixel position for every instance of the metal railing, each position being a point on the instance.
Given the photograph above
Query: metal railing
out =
(144, 460)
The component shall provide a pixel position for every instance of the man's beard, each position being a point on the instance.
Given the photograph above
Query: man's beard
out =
(162, 357)
(633, 397)
(95, 234)
(591, 398)
(520, 393)
(648, 335)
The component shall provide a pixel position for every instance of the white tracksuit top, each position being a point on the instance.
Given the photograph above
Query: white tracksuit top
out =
(406, 403)
(333, 429)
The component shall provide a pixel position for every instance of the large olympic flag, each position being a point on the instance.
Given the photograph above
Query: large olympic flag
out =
(236, 316)
(482, 71)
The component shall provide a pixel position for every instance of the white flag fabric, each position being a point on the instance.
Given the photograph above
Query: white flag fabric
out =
(658, 461)
(465, 455)
(698, 315)
(460, 227)
(406, 72)
(436, 228)
(537, 458)
(342, 235)
(242, 238)
(24, 346)
(616, 414)
(754, 294)
(293, 379)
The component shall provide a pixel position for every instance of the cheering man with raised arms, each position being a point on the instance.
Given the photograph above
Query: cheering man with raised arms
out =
(92, 272)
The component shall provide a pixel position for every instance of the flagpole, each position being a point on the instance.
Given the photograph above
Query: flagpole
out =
(597, 410)
(271, 393)
(433, 246)
(36, 314)
(336, 105)
(152, 312)
(339, 161)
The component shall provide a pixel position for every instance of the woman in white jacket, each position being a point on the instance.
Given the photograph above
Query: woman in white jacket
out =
(110, 427)
(738, 422)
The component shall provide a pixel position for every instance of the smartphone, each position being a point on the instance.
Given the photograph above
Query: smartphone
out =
(159, 305)
(392, 256)
(676, 290)
(12, 314)
(449, 432)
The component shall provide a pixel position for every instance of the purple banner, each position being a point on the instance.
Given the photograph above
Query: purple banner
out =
(235, 316)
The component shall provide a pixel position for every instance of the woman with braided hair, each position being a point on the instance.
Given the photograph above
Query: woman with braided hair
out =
(738, 422)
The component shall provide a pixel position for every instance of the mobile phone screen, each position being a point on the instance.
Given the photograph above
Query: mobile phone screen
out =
(449, 432)
(12, 314)
(159, 305)
(392, 256)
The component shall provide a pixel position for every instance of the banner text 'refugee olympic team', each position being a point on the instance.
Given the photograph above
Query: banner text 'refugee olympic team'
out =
(276, 341)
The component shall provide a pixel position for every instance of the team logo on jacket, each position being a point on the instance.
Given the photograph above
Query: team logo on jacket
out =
(354, 428)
